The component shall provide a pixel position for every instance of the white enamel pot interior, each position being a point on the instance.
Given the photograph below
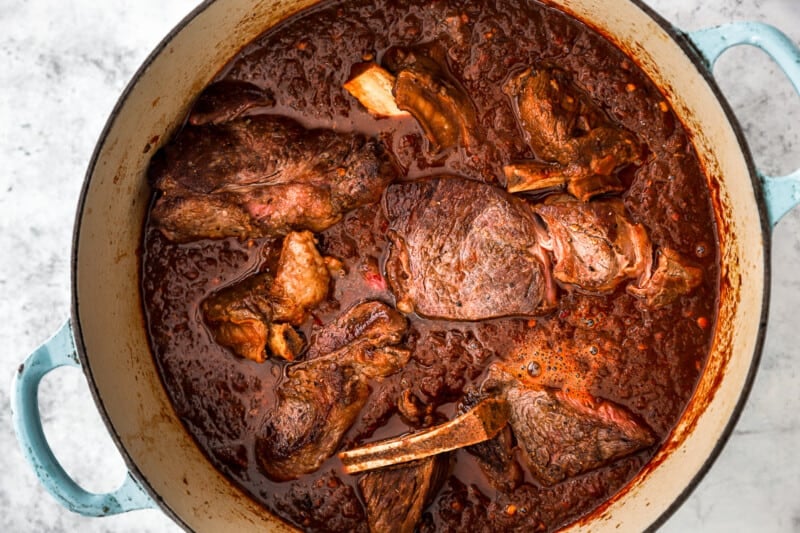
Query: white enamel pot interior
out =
(107, 310)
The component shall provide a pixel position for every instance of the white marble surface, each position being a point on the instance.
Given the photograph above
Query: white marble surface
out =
(62, 67)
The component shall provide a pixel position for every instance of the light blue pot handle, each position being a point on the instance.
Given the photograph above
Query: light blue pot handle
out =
(781, 193)
(57, 352)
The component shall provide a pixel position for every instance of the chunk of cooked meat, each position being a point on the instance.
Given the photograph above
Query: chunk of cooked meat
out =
(434, 98)
(395, 496)
(372, 86)
(372, 322)
(463, 250)
(301, 280)
(495, 457)
(258, 312)
(284, 341)
(317, 403)
(187, 217)
(565, 128)
(564, 433)
(266, 175)
(595, 244)
(226, 100)
(239, 316)
(674, 276)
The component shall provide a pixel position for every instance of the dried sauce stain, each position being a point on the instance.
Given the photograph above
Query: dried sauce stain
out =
(645, 360)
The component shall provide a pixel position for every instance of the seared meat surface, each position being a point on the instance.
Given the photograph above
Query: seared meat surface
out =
(595, 244)
(452, 301)
(568, 131)
(395, 496)
(564, 433)
(260, 176)
(464, 250)
(226, 100)
(259, 312)
(239, 316)
(674, 276)
(424, 88)
(319, 400)
(301, 280)
(372, 322)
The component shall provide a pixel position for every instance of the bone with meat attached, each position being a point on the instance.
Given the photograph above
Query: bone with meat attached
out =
(321, 398)
(495, 456)
(674, 276)
(577, 142)
(422, 87)
(563, 433)
(480, 423)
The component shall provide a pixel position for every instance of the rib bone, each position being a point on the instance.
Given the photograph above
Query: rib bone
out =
(372, 86)
(480, 423)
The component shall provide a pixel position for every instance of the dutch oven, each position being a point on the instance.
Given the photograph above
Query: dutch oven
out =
(106, 334)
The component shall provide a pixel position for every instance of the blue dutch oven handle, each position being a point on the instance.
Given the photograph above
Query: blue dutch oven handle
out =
(57, 352)
(781, 193)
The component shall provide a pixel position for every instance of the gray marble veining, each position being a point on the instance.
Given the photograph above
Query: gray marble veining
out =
(62, 67)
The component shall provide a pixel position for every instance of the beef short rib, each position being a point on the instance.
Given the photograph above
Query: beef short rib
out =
(372, 322)
(596, 245)
(262, 175)
(259, 311)
(570, 132)
(318, 402)
(464, 250)
(564, 433)
(395, 496)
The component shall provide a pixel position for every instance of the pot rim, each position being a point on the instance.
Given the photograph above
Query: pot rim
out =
(682, 39)
(678, 36)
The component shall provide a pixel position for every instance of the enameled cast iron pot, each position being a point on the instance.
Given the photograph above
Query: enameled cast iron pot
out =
(106, 334)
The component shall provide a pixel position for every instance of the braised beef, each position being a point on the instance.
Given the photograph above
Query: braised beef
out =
(564, 433)
(372, 322)
(396, 496)
(272, 174)
(674, 276)
(495, 457)
(462, 250)
(595, 244)
(258, 312)
(317, 403)
(239, 316)
(434, 98)
(301, 279)
(565, 128)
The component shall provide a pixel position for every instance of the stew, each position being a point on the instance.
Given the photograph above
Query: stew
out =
(434, 266)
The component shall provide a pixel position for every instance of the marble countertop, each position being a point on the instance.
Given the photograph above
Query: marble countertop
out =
(62, 67)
